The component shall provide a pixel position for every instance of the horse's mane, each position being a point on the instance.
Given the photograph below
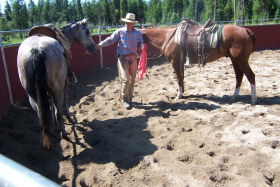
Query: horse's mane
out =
(67, 26)
(67, 29)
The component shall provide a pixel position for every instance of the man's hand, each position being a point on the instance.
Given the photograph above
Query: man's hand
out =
(97, 47)
(139, 51)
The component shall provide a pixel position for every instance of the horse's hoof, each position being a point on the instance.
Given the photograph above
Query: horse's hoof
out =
(253, 101)
(232, 99)
(178, 97)
(48, 148)
(64, 136)
(69, 118)
(47, 145)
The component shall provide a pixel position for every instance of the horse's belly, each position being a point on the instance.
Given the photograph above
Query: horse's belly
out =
(213, 54)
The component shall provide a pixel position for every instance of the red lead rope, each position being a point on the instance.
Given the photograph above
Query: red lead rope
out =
(143, 62)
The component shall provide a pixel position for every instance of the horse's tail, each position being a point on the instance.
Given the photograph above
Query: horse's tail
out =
(253, 36)
(38, 59)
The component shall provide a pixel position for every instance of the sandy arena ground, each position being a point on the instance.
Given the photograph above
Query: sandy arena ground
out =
(200, 140)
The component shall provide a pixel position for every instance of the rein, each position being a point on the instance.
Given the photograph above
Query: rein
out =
(172, 35)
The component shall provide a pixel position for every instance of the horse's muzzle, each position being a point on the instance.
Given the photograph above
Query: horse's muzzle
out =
(91, 48)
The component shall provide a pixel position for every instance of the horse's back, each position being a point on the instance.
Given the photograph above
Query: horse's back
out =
(51, 47)
(55, 63)
(44, 44)
(238, 37)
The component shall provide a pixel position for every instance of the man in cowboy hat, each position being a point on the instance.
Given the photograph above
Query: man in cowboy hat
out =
(129, 43)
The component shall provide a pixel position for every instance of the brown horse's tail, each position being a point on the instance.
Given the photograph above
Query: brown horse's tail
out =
(38, 59)
(253, 36)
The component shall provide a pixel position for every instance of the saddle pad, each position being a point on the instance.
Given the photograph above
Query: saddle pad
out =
(213, 38)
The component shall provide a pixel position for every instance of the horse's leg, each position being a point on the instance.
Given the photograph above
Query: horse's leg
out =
(246, 69)
(251, 78)
(179, 76)
(58, 101)
(239, 76)
(52, 109)
(33, 103)
(65, 104)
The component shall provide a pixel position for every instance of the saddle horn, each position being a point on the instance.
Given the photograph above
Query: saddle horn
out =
(207, 23)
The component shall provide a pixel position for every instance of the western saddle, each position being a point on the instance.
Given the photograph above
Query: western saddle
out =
(197, 40)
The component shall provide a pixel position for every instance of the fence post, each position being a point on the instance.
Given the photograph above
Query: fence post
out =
(14, 174)
(6, 70)
(101, 54)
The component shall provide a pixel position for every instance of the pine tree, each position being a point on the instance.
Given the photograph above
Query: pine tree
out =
(79, 10)
(116, 4)
(123, 8)
(133, 8)
(229, 11)
(259, 11)
(249, 9)
(73, 11)
(154, 12)
(39, 11)
(106, 13)
(94, 12)
(46, 12)
(141, 11)
(277, 14)
(32, 12)
(177, 7)
(4, 27)
(165, 10)
(99, 13)
(87, 10)
(209, 10)
(65, 11)
(8, 11)
(19, 15)
(116, 9)
(56, 11)
(191, 9)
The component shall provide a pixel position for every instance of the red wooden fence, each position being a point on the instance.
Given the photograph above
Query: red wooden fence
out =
(267, 38)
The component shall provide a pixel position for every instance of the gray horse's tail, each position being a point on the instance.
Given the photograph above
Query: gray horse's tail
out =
(38, 59)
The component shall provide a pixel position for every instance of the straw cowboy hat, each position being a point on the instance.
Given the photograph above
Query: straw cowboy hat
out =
(130, 18)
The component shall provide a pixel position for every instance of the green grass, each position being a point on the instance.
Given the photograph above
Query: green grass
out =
(13, 41)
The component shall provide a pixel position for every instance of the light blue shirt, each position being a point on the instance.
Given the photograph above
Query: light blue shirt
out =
(128, 41)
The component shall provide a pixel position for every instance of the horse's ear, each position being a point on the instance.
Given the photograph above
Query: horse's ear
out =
(85, 20)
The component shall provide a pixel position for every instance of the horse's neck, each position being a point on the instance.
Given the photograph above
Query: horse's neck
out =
(157, 37)
(69, 34)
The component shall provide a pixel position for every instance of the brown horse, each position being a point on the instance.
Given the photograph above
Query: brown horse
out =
(236, 43)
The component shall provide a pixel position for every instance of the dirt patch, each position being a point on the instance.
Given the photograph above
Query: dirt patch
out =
(200, 140)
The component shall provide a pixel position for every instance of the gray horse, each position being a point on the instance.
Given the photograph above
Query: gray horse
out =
(43, 69)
